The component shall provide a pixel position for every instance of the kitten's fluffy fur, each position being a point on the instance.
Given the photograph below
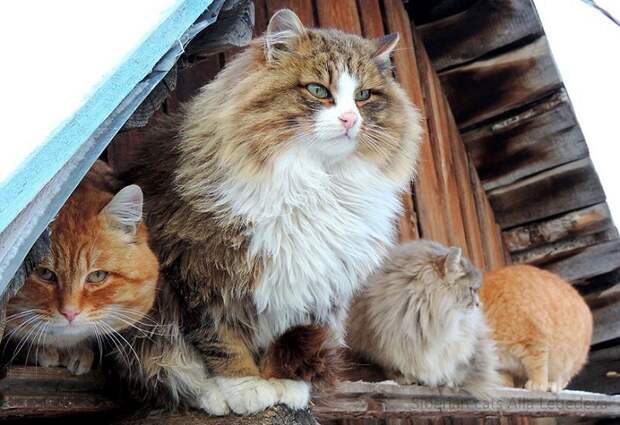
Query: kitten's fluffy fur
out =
(266, 214)
(542, 326)
(419, 318)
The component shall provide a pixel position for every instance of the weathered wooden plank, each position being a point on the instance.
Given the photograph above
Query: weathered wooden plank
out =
(601, 373)
(371, 19)
(568, 187)
(543, 137)
(32, 392)
(561, 249)
(580, 222)
(440, 122)
(341, 14)
(486, 26)
(590, 262)
(489, 87)
(431, 212)
(303, 9)
(607, 321)
(356, 400)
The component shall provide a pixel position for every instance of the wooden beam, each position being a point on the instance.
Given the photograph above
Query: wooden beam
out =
(580, 222)
(486, 26)
(341, 14)
(303, 9)
(355, 400)
(489, 87)
(601, 373)
(566, 188)
(590, 262)
(540, 138)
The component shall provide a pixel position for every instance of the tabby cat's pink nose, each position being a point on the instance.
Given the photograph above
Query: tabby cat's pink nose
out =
(70, 314)
(348, 119)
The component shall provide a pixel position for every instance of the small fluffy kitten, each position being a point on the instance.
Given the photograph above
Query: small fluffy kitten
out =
(99, 277)
(419, 318)
(542, 326)
(274, 198)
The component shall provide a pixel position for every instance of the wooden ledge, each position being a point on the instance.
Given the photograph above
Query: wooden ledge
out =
(28, 392)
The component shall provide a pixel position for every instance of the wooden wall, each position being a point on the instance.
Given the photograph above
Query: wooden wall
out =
(522, 136)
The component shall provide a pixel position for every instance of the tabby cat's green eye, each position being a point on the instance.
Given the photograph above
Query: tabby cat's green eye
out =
(362, 95)
(46, 274)
(318, 91)
(97, 276)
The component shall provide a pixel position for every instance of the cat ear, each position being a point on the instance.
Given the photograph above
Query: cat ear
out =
(452, 263)
(284, 26)
(384, 47)
(125, 209)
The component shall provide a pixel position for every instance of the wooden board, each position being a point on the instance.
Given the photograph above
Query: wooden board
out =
(303, 9)
(569, 187)
(592, 261)
(535, 140)
(489, 87)
(341, 14)
(486, 26)
(601, 373)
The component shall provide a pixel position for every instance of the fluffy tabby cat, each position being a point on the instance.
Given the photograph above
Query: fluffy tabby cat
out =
(99, 285)
(419, 318)
(274, 197)
(99, 277)
(542, 326)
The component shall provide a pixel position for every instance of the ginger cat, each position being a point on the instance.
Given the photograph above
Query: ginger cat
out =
(541, 325)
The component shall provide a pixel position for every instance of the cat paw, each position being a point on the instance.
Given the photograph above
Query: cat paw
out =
(211, 399)
(80, 360)
(48, 357)
(294, 394)
(536, 386)
(556, 387)
(247, 395)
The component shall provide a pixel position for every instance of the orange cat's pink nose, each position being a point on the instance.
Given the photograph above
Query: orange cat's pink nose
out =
(348, 119)
(70, 314)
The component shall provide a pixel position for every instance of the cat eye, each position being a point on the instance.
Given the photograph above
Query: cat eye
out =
(97, 276)
(46, 274)
(319, 91)
(362, 95)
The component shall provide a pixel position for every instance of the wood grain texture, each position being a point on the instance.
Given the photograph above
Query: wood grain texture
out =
(545, 136)
(489, 87)
(341, 14)
(569, 187)
(303, 8)
(486, 26)
(591, 261)
(602, 372)
(371, 18)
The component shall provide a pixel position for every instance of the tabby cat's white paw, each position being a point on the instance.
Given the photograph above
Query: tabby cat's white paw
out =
(247, 395)
(294, 394)
(48, 357)
(80, 360)
(212, 400)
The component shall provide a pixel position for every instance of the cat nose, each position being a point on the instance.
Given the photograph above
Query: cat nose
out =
(348, 119)
(70, 314)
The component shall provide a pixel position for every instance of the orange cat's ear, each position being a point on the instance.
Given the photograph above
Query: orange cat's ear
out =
(125, 209)
(452, 262)
(384, 47)
(284, 27)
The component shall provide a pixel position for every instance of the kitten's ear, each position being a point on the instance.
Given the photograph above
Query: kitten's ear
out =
(452, 263)
(125, 209)
(284, 26)
(384, 47)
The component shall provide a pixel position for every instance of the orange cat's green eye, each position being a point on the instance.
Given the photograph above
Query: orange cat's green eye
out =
(362, 95)
(46, 274)
(97, 276)
(319, 91)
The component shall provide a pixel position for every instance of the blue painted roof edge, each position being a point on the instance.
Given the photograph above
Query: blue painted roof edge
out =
(41, 166)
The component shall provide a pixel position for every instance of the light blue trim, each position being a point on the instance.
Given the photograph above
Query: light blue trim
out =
(41, 166)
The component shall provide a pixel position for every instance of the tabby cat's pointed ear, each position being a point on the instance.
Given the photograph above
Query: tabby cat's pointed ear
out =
(452, 263)
(125, 209)
(284, 27)
(384, 47)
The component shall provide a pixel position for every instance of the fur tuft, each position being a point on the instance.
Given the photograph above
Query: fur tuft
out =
(304, 353)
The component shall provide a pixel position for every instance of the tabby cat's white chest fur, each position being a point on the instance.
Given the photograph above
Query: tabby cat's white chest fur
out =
(321, 232)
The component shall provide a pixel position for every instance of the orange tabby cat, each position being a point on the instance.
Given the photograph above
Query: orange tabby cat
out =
(541, 324)
(99, 277)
